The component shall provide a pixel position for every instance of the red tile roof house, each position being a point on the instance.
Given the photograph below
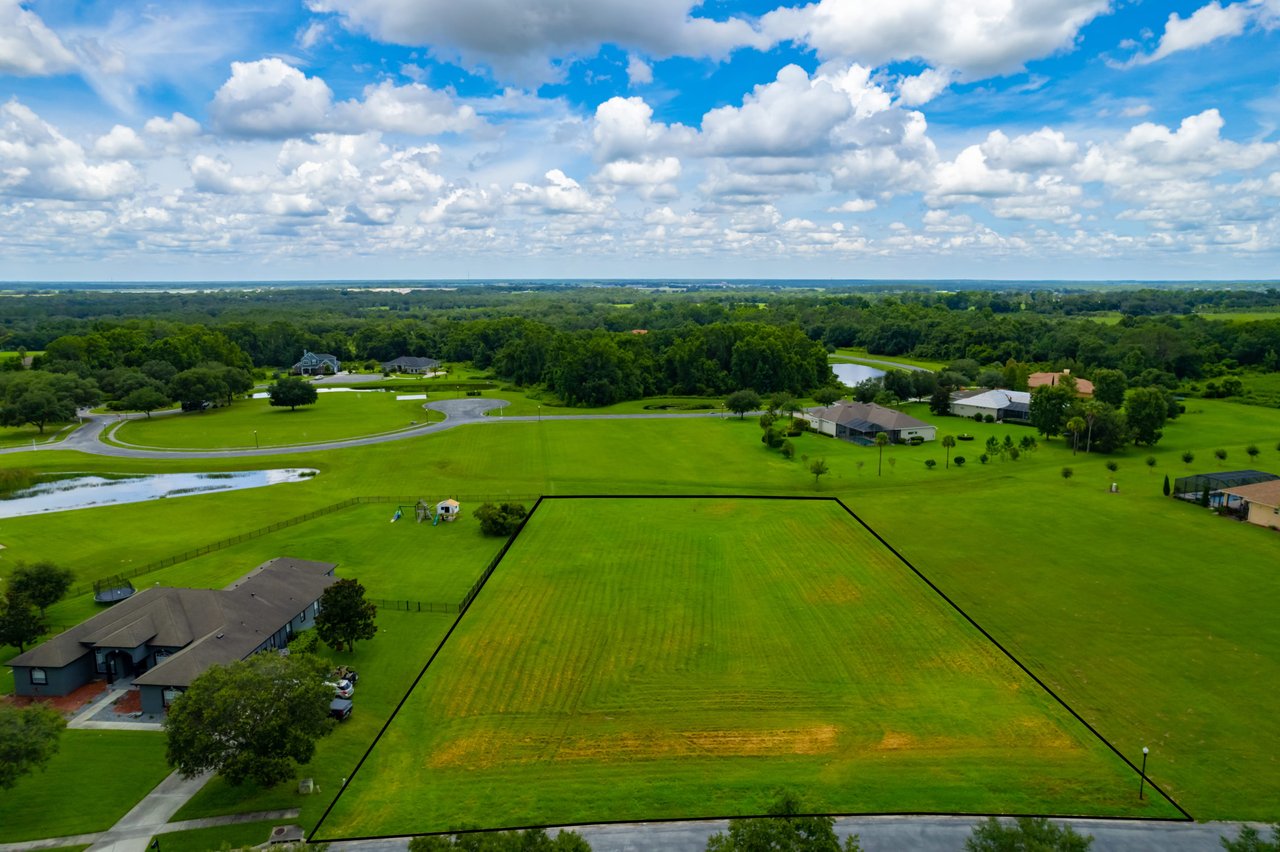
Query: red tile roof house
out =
(165, 638)
(1084, 387)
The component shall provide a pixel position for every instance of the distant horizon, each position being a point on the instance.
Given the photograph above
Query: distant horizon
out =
(390, 283)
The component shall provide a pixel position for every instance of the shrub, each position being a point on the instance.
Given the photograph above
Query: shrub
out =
(930, 463)
(1220, 454)
(1188, 457)
(984, 458)
(1252, 450)
(788, 450)
(958, 461)
(1113, 466)
(989, 418)
(977, 418)
(1067, 473)
(500, 520)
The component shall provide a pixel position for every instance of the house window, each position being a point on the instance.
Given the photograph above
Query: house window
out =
(39, 678)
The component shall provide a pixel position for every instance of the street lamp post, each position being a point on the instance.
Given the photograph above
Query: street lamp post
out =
(539, 413)
(255, 439)
(1142, 779)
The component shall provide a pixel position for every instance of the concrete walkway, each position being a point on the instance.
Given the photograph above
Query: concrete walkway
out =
(167, 828)
(81, 719)
(135, 828)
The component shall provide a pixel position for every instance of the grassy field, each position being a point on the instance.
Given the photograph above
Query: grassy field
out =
(93, 780)
(859, 355)
(637, 659)
(334, 417)
(22, 436)
(1240, 316)
(1125, 596)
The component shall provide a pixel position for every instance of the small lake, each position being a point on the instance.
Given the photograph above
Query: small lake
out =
(853, 374)
(82, 492)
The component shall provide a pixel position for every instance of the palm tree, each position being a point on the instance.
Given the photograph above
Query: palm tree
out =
(882, 441)
(948, 441)
(1075, 426)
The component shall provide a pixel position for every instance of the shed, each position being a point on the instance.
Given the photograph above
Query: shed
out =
(448, 509)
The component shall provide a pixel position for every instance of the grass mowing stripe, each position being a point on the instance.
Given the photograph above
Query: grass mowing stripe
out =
(487, 574)
(1018, 662)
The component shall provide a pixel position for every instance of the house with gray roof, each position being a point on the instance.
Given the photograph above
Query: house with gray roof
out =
(1004, 406)
(313, 364)
(164, 638)
(410, 364)
(860, 422)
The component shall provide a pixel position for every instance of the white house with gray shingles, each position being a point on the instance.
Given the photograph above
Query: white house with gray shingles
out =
(1005, 406)
(165, 637)
(861, 421)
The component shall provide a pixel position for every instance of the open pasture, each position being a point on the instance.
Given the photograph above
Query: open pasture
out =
(649, 658)
(334, 417)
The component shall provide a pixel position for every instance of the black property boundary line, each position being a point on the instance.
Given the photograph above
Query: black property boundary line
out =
(493, 564)
(1186, 816)
(311, 838)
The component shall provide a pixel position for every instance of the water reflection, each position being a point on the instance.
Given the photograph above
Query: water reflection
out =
(84, 491)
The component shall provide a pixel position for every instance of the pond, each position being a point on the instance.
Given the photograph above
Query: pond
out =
(84, 491)
(853, 374)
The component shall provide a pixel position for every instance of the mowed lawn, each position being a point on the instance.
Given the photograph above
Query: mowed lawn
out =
(93, 780)
(645, 659)
(333, 417)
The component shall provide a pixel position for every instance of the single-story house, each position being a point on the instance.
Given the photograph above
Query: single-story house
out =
(410, 364)
(1084, 387)
(1005, 406)
(1261, 502)
(861, 421)
(164, 638)
(312, 364)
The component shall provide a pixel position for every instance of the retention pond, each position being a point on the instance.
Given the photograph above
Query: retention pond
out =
(85, 491)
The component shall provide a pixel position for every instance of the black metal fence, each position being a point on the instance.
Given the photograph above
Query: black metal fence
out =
(415, 606)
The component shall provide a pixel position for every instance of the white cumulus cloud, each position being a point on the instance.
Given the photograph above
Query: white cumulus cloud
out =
(1204, 25)
(270, 98)
(977, 38)
(28, 48)
(39, 162)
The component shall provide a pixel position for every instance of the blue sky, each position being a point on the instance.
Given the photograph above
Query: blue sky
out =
(639, 138)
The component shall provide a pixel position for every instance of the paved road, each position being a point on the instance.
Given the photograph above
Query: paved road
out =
(457, 412)
(883, 834)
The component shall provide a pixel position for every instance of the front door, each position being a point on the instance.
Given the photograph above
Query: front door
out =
(119, 665)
